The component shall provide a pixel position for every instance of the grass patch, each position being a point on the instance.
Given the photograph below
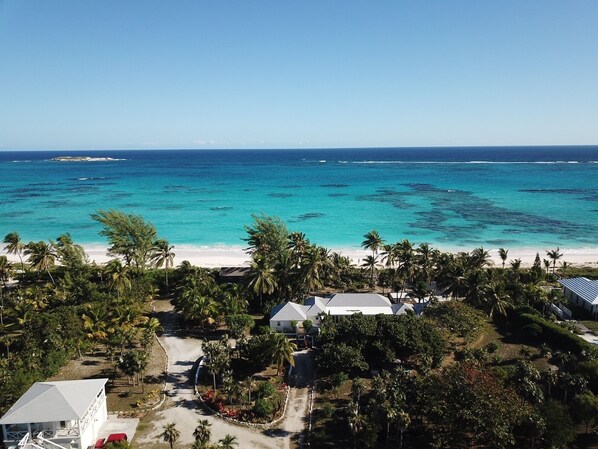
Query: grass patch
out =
(510, 345)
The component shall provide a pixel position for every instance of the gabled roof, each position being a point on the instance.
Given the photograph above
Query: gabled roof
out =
(289, 312)
(358, 300)
(315, 305)
(582, 287)
(365, 303)
(54, 401)
(401, 308)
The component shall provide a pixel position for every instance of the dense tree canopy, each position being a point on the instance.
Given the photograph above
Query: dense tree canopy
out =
(129, 236)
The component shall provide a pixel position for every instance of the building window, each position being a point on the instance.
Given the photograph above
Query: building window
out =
(278, 323)
(62, 424)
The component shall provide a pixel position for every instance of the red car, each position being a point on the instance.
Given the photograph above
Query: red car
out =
(112, 438)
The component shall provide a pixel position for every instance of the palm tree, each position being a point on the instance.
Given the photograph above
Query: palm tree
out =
(41, 256)
(315, 262)
(564, 266)
(356, 421)
(5, 270)
(403, 421)
(497, 300)
(170, 434)
(261, 278)
(228, 442)
(14, 245)
(554, 255)
(282, 349)
(370, 262)
(425, 256)
(357, 389)
(249, 384)
(161, 255)
(119, 275)
(372, 241)
(197, 306)
(503, 254)
(202, 433)
(479, 258)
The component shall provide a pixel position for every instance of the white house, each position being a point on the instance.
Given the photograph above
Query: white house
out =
(583, 293)
(66, 414)
(337, 306)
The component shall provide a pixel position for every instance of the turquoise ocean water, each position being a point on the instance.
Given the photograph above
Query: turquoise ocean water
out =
(513, 197)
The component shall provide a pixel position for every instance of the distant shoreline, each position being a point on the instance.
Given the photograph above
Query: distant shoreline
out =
(235, 255)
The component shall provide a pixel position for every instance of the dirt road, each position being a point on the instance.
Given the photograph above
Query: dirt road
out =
(183, 408)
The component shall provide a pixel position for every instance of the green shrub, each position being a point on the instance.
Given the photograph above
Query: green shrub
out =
(532, 330)
(492, 347)
(266, 389)
(339, 379)
(263, 407)
(328, 410)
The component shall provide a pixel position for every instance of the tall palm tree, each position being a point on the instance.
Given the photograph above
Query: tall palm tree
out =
(425, 257)
(41, 256)
(119, 276)
(403, 421)
(282, 349)
(497, 300)
(503, 254)
(474, 285)
(161, 255)
(228, 442)
(372, 241)
(202, 433)
(370, 263)
(356, 421)
(479, 258)
(261, 278)
(170, 434)
(554, 255)
(5, 271)
(14, 245)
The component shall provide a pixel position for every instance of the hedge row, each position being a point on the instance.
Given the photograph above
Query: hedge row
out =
(558, 336)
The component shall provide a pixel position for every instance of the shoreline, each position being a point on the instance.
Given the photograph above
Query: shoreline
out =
(235, 256)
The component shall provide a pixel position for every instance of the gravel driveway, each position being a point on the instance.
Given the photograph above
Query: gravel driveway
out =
(183, 408)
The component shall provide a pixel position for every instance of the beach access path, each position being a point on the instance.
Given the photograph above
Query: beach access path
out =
(184, 408)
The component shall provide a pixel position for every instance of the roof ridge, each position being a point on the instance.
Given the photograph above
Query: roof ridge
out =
(66, 398)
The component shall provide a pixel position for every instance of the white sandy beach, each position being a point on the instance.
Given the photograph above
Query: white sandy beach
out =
(235, 256)
(231, 256)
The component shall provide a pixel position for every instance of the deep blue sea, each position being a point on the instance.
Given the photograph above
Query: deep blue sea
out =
(511, 197)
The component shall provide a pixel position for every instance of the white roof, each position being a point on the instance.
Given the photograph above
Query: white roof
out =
(359, 300)
(401, 308)
(315, 305)
(289, 312)
(54, 401)
(582, 287)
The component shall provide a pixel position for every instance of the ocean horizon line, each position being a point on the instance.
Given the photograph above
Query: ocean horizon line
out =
(298, 148)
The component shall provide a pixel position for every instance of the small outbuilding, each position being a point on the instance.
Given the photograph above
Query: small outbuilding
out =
(66, 414)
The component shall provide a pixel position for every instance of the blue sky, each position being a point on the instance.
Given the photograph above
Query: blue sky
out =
(310, 73)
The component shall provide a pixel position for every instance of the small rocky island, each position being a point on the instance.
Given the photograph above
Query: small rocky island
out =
(82, 159)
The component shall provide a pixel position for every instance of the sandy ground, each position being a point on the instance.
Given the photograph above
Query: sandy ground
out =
(183, 407)
(232, 256)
